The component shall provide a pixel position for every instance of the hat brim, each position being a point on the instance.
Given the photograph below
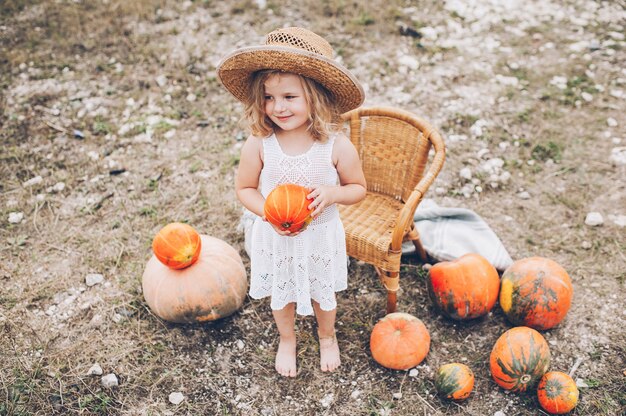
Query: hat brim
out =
(235, 72)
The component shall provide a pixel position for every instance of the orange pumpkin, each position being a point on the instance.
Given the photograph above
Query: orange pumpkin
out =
(287, 207)
(212, 288)
(519, 358)
(535, 292)
(465, 288)
(399, 341)
(557, 393)
(454, 381)
(177, 245)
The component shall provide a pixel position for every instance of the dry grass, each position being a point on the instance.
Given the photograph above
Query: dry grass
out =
(55, 328)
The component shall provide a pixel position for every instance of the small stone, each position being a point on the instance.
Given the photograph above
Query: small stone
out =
(619, 220)
(409, 62)
(427, 266)
(110, 380)
(176, 398)
(611, 122)
(397, 396)
(191, 97)
(587, 97)
(161, 81)
(586, 245)
(93, 279)
(16, 217)
(240, 344)
(33, 181)
(355, 394)
(414, 372)
(618, 155)
(594, 219)
(581, 384)
(499, 413)
(327, 400)
(95, 370)
(524, 195)
(465, 173)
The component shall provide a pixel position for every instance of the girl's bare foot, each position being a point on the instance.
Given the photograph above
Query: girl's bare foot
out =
(286, 357)
(329, 353)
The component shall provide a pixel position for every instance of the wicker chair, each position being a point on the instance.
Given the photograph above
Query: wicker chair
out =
(394, 147)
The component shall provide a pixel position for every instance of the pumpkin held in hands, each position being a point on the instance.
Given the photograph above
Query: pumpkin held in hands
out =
(399, 341)
(177, 245)
(519, 358)
(454, 381)
(465, 288)
(557, 393)
(287, 207)
(535, 292)
(211, 288)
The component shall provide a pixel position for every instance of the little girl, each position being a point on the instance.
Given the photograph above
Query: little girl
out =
(293, 93)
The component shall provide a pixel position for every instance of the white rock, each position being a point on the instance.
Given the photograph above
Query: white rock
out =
(58, 187)
(161, 81)
(581, 384)
(170, 134)
(414, 372)
(176, 398)
(594, 219)
(524, 195)
(499, 413)
(504, 80)
(16, 217)
(110, 380)
(355, 394)
(409, 62)
(559, 82)
(477, 128)
(261, 4)
(33, 181)
(191, 97)
(619, 220)
(616, 93)
(93, 155)
(397, 396)
(611, 122)
(586, 245)
(465, 173)
(587, 97)
(93, 279)
(95, 370)
(618, 155)
(327, 400)
(240, 344)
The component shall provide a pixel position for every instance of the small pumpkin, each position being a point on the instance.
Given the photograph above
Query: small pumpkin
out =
(177, 245)
(214, 287)
(399, 341)
(536, 292)
(287, 207)
(454, 381)
(557, 393)
(519, 358)
(465, 288)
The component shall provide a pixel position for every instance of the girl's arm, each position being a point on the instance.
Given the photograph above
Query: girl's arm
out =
(248, 173)
(352, 185)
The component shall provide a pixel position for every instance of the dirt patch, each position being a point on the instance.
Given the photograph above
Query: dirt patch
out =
(113, 124)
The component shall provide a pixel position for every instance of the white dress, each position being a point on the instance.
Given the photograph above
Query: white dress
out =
(313, 264)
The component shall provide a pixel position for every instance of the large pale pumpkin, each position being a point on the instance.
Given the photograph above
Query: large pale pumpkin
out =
(465, 288)
(287, 207)
(519, 358)
(399, 341)
(213, 287)
(454, 381)
(177, 245)
(535, 292)
(557, 393)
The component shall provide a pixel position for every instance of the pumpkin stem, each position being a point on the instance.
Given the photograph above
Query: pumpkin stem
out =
(525, 378)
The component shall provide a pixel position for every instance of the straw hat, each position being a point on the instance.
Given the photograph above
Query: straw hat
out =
(295, 50)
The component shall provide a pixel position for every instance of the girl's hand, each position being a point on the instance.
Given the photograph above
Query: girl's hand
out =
(285, 233)
(322, 196)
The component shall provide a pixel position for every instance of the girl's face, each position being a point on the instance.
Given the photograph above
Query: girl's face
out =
(285, 102)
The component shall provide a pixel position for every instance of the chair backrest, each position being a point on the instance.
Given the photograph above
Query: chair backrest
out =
(393, 146)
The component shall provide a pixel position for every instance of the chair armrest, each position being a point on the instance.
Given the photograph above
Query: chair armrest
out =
(405, 218)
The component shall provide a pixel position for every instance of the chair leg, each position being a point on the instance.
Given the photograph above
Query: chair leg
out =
(414, 236)
(391, 282)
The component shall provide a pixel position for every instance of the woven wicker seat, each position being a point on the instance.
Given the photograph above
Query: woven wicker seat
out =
(394, 148)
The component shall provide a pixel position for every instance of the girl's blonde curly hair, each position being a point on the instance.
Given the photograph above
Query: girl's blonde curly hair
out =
(323, 115)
